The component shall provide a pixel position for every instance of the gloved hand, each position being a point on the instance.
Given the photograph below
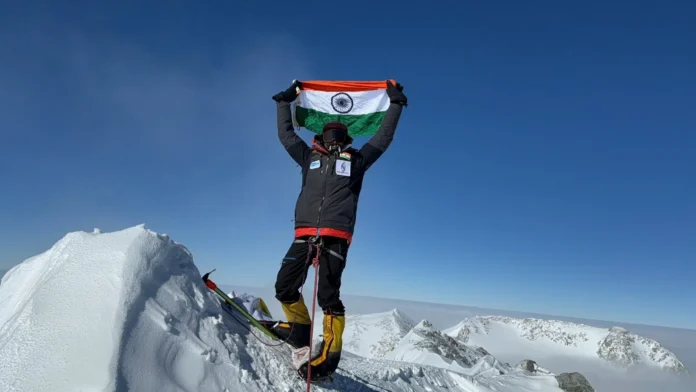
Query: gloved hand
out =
(395, 93)
(288, 95)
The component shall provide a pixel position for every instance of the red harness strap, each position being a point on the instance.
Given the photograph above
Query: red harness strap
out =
(325, 232)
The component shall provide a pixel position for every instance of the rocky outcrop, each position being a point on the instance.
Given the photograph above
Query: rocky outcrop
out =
(624, 349)
(574, 382)
(528, 365)
(617, 347)
(426, 344)
(445, 346)
(568, 382)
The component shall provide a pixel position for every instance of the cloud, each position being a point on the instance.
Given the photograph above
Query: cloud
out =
(602, 377)
(120, 89)
(199, 124)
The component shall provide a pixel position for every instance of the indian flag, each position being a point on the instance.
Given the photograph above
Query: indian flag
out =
(359, 105)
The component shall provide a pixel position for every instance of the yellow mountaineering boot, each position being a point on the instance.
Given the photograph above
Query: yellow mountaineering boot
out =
(324, 364)
(297, 312)
(296, 330)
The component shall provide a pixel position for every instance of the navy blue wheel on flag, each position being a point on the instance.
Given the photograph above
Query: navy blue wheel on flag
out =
(342, 103)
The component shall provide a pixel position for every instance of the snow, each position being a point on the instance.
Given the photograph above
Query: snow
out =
(427, 346)
(374, 335)
(517, 338)
(127, 310)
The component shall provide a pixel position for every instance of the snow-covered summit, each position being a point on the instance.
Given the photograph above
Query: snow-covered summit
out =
(375, 335)
(426, 345)
(395, 336)
(625, 348)
(128, 310)
(615, 345)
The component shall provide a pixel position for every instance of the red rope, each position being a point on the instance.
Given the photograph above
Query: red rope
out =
(315, 263)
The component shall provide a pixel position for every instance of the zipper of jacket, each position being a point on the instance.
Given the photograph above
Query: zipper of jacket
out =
(326, 175)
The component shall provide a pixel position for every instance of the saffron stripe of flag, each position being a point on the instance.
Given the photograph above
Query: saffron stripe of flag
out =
(361, 106)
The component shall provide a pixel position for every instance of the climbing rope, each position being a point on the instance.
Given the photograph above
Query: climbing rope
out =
(315, 263)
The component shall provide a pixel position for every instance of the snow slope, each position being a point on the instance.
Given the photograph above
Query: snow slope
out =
(512, 337)
(374, 335)
(128, 311)
(427, 346)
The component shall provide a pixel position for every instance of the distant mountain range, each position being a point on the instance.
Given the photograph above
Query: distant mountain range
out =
(615, 345)
(467, 346)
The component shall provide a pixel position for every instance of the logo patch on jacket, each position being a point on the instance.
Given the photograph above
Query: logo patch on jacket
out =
(343, 168)
(345, 155)
(315, 164)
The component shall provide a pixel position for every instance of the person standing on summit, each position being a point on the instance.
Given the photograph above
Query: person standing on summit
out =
(325, 215)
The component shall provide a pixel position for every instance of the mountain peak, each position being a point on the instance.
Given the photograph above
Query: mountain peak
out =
(401, 318)
(427, 345)
(158, 327)
(425, 325)
(624, 348)
(374, 335)
(615, 345)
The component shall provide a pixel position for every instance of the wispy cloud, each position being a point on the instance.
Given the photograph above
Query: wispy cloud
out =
(123, 90)
(103, 108)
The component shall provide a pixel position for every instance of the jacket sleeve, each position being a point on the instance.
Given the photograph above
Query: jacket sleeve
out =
(294, 145)
(378, 144)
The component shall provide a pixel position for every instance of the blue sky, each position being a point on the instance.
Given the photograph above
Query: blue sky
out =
(546, 162)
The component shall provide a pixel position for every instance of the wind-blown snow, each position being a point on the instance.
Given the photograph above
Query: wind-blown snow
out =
(128, 311)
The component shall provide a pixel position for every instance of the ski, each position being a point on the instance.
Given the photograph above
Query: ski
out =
(299, 354)
(226, 299)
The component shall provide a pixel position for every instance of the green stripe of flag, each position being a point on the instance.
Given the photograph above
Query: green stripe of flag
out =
(358, 125)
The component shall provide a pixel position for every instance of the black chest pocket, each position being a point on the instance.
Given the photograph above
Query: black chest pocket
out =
(340, 183)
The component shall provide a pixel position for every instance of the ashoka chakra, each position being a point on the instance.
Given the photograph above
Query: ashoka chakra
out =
(342, 103)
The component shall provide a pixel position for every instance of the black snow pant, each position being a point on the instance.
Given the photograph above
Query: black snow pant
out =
(296, 263)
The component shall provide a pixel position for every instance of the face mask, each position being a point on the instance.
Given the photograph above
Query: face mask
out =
(334, 139)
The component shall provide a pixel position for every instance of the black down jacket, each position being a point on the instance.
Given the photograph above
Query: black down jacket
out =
(331, 184)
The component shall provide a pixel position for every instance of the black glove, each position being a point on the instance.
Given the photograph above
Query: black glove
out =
(288, 95)
(395, 93)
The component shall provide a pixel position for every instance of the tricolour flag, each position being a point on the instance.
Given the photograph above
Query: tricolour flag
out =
(359, 105)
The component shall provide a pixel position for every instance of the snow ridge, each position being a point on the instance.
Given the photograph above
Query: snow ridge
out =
(128, 311)
(375, 335)
(625, 348)
(561, 332)
(615, 345)
(427, 345)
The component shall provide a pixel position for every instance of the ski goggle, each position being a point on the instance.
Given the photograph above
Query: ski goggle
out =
(335, 135)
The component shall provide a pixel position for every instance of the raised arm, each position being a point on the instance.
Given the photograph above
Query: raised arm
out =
(378, 144)
(294, 145)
